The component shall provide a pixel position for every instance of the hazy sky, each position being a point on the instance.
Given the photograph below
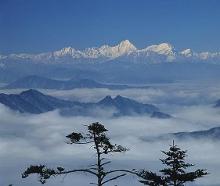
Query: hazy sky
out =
(44, 25)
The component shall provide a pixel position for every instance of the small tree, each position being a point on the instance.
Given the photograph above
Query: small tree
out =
(175, 172)
(102, 145)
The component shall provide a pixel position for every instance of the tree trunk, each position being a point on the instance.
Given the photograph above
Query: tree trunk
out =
(99, 167)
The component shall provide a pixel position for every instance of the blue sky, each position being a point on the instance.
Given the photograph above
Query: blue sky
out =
(44, 25)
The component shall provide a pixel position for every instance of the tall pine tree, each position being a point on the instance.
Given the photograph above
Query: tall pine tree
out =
(175, 172)
(96, 137)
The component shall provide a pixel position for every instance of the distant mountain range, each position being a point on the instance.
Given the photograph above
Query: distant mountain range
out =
(119, 64)
(33, 101)
(213, 133)
(124, 51)
(38, 82)
(210, 134)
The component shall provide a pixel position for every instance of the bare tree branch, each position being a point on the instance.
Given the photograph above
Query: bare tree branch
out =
(114, 178)
(101, 144)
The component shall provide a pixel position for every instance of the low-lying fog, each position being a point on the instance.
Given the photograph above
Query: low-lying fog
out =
(33, 139)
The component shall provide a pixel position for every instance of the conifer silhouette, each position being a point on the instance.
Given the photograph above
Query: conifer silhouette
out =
(175, 172)
(100, 142)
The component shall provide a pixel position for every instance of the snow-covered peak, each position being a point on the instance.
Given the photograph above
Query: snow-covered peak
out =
(106, 51)
(66, 51)
(187, 52)
(163, 49)
(207, 55)
(123, 48)
(163, 52)
(126, 46)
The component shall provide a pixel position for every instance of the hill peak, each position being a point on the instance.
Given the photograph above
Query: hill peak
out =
(31, 92)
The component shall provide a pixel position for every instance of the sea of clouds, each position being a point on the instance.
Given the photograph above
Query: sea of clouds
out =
(33, 139)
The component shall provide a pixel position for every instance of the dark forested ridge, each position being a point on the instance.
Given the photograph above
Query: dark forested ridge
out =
(35, 102)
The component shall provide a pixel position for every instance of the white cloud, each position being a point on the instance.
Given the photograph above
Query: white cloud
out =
(32, 139)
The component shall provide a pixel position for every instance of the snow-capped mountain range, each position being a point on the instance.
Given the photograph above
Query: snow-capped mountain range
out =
(124, 51)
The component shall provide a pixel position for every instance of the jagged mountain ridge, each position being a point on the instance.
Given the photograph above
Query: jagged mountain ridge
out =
(35, 102)
(124, 51)
(127, 106)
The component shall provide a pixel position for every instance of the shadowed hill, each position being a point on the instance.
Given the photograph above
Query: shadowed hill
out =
(38, 82)
(35, 102)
